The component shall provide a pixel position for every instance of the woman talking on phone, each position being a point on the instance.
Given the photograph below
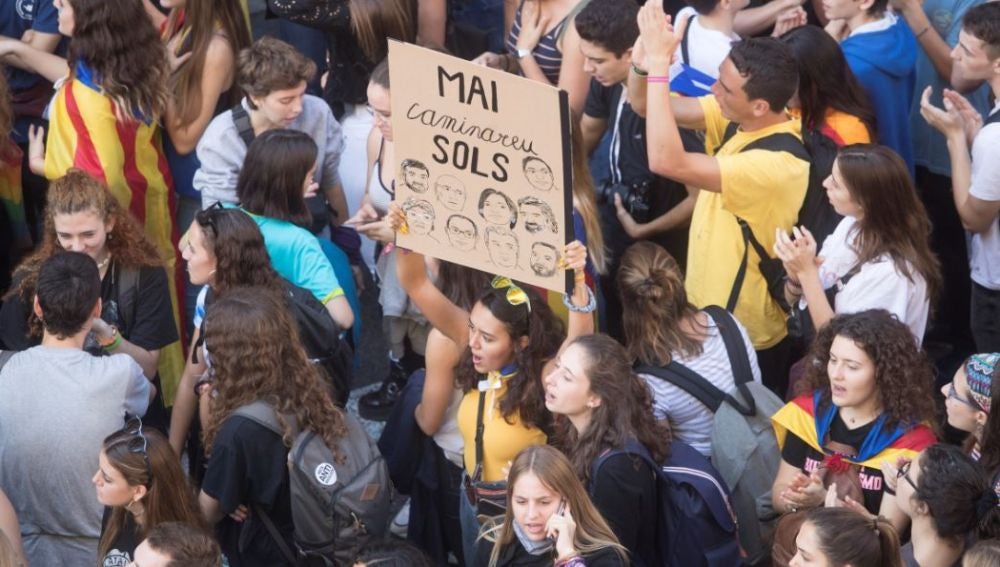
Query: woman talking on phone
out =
(550, 520)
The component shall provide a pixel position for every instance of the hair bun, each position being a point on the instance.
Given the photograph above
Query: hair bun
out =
(649, 289)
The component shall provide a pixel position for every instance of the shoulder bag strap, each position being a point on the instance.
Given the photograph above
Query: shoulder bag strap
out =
(741, 273)
(479, 435)
(128, 289)
(736, 349)
(689, 381)
(242, 121)
(685, 53)
(272, 530)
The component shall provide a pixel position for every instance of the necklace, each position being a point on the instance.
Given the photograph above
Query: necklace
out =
(104, 263)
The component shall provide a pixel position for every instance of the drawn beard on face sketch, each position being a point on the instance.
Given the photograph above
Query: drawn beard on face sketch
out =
(415, 175)
(502, 245)
(450, 192)
(461, 232)
(544, 259)
(536, 215)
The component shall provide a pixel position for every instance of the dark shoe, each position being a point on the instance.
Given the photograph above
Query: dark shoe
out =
(377, 405)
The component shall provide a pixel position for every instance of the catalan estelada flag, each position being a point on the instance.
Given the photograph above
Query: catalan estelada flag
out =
(799, 417)
(128, 157)
(12, 195)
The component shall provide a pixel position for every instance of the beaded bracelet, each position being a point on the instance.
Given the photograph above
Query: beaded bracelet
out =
(588, 308)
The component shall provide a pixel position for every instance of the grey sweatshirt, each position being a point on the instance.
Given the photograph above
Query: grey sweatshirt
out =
(221, 151)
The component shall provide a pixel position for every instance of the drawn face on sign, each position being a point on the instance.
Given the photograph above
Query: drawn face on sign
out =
(419, 216)
(462, 232)
(497, 208)
(415, 175)
(502, 246)
(536, 215)
(450, 192)
(544, 258)
(538, 173)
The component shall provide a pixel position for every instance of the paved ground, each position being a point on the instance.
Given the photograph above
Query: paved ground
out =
(372, 352)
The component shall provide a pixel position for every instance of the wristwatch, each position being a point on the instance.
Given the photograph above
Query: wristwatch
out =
(520, 53)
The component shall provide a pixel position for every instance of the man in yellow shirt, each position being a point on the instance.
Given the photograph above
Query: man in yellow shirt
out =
(765, 188)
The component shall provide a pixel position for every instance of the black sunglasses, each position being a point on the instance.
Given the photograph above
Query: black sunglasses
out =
(207, 217)
(904, 473)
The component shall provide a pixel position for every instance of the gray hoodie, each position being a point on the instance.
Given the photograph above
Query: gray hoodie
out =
(221, 151)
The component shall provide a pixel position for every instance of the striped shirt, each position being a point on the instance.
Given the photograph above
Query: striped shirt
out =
(690, 420)
(547, 53)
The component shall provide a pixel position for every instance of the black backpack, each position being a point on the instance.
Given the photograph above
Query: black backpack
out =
(696, 525)
(816, 212)
(320, 338)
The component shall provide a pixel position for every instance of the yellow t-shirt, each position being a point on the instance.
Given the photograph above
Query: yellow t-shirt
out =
(502, 441)
(766, 189)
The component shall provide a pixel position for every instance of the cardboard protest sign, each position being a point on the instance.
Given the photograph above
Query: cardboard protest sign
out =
(483, 166)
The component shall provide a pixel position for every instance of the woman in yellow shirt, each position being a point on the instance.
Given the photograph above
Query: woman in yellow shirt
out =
(509, 340)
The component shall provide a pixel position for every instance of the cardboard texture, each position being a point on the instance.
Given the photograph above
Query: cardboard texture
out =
(483, 166)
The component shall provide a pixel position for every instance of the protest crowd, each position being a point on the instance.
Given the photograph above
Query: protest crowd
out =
(774, 337)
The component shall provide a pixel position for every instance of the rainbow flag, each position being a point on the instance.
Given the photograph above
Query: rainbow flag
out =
(798, 416)
(11, 193)
(128, 157)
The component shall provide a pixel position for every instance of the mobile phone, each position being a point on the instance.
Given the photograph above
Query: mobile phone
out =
(559, 512)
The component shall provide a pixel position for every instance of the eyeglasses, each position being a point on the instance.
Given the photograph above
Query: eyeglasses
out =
(138, 443)
(953, 394)
(515, 295)
(904, 473)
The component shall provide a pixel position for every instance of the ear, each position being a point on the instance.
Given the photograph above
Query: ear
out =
(760, 108)
(140, 492)
(109, 225)
(865, 5)
(920, 507)
(37, 307)
(594, 401)
(523, 342)
(627, 55)
(981, 418)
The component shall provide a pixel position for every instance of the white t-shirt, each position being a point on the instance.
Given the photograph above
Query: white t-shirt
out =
(878, 285)
(690, 420)
(984, 248)
(707, 48)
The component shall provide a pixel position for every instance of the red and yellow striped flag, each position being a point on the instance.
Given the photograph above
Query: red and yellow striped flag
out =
(128, 157)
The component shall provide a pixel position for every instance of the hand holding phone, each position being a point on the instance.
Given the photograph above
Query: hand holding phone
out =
(562, 529)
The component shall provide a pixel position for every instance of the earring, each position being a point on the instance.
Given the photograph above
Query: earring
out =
(111, 236)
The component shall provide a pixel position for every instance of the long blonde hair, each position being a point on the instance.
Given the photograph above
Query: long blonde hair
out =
(554, 470)
(585, 203)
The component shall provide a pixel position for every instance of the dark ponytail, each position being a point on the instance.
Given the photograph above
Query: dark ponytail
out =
(846, 537)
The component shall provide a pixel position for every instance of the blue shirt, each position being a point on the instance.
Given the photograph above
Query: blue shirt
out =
(19, 16)
(929, 147)
(297, 256)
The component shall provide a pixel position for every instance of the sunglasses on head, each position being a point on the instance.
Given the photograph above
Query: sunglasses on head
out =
(515, 295)
(138, 443)
(206, 218)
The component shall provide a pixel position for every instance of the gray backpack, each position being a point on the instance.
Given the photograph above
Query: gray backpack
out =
(744, 448)
(336, 508)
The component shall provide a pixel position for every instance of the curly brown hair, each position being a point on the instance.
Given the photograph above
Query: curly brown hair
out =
(78, 192)
(525, 396)
(241, 259)
(120, 45)
(625, 411)
(257, 355)
(904, 376)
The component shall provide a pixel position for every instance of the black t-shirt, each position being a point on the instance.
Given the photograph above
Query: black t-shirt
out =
(633, 165)
(122, 550)
(624, 492)
(248, 466)
(799, 454)
(151, 326)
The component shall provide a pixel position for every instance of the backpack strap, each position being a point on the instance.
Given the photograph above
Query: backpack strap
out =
(992, 118)
(631, 447)
(685, 53)
(5, 356)
(736, 349)
(689, 381)
(479, 432)
(128, 294)
(263, 413)
(242, 121)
